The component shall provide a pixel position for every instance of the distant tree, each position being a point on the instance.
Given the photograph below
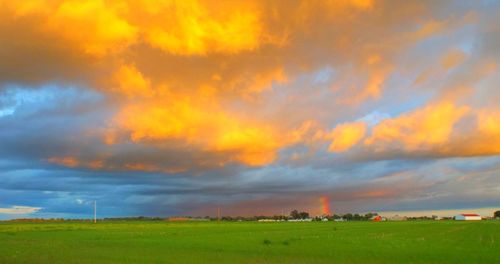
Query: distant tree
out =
(303, 215)
(368, 216)
(497, 214)
(294, 214)
(348, 216)
(279, 217)
(259, 217)
(227, 218)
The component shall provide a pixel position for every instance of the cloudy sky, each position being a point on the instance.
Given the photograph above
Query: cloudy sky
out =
(164, 108)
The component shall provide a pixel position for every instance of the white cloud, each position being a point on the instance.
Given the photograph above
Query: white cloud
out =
(7, 111)
(20, 210)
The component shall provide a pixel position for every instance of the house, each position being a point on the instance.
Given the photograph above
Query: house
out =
(467, 217)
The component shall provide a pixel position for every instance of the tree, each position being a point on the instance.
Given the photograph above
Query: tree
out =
(348, 217)
(368, 216)
(303, 215)
(497, 214)
(295, 214)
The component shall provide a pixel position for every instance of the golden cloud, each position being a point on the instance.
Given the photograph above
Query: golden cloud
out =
(198, 29)
(453, 58)
(484, 138)
(73, 162)
(205, 126)
(430, 126)
(197, 74)
(346, 136)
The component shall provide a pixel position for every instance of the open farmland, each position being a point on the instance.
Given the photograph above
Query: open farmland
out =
(251, 242)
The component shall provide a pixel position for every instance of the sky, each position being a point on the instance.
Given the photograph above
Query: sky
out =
(169, 108)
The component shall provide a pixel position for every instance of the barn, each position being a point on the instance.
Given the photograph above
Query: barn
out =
(467, 217)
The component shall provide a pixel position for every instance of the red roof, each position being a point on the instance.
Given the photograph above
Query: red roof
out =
(470, 214)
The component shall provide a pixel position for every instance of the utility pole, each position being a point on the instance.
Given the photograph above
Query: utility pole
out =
(95, 211)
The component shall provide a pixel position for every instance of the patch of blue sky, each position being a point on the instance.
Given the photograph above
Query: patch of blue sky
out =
(323, 75)
(489, 3)
(33, 99)
(468, 45)
(374, 118)
(472, 164)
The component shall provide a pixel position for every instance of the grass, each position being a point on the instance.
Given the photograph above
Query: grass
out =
(251, 242)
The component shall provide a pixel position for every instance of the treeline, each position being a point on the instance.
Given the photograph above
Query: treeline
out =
(294, 215)
(133, 218)
(354, 217)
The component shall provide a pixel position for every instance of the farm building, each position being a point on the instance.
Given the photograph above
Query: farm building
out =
(467, 217)
(378, 218)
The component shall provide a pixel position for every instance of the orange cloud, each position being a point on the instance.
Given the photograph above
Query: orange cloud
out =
(74, 162)
(420, 129)
(65, 161)
(346, 136)
(452, 59)
(131, 83)
(100, 27)
(194, 28)
(439, 129)
(197, 74)
(202, 125)
(95, 26)
(484, 137)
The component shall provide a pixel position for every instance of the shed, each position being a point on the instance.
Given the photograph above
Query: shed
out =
(467, 217)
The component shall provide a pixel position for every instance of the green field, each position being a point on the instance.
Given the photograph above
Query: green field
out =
(251, 242)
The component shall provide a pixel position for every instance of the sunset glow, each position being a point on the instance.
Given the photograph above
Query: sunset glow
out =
(180, 107)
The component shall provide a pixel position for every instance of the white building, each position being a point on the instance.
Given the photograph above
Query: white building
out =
(300, 220)
(267, 220)
(467, 217)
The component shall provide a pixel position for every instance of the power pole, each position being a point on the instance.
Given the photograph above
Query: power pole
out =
(95, 211)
